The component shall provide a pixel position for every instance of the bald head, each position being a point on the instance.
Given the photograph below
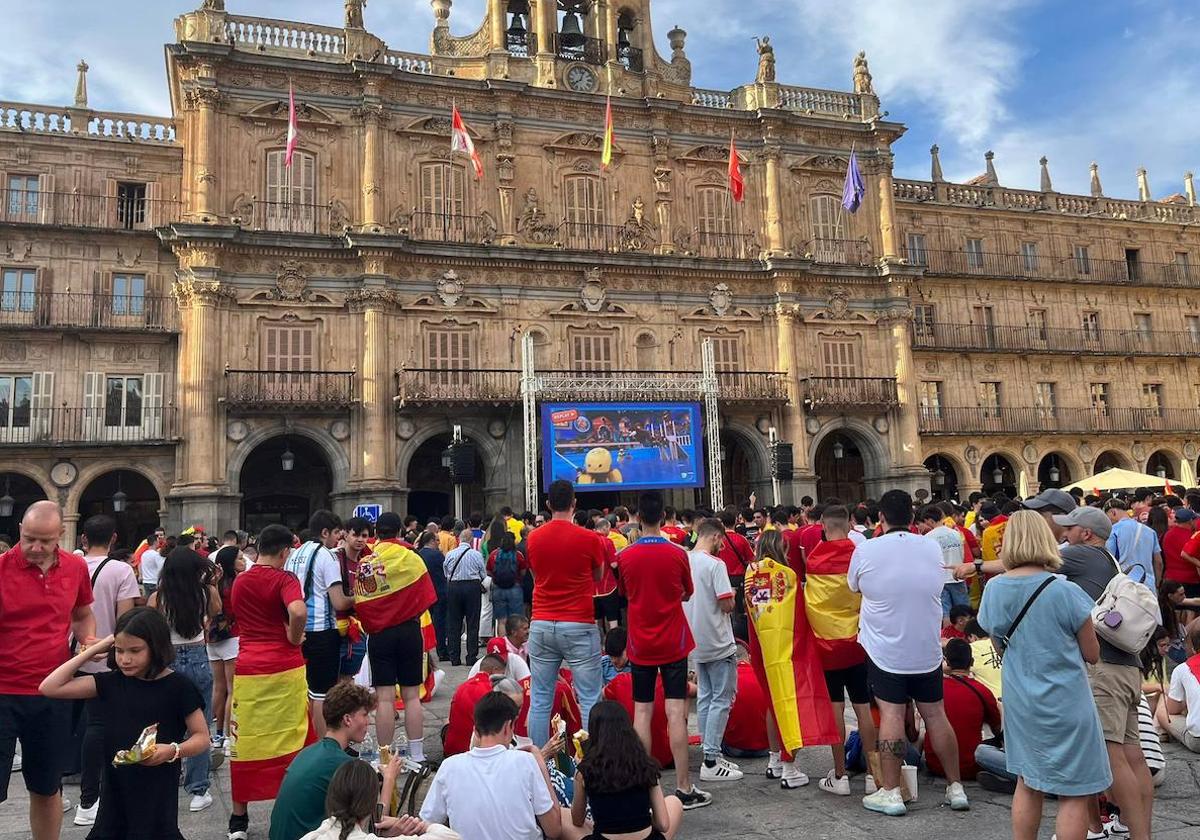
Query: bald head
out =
(41, 528)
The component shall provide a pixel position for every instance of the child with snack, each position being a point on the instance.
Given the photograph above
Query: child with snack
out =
(138, 800)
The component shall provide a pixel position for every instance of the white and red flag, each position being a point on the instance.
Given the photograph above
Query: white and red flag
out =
(460, 140)
(293, 134)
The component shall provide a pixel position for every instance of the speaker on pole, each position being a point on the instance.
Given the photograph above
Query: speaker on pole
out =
(781, 457)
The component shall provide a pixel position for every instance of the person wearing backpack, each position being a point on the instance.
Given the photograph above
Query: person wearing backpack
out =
(1116, 680)
(507, 566)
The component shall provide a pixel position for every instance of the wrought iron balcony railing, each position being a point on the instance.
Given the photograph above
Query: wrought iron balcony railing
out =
(1003, 339)
(24, 425)
(590, 51)
(632, 58)
(272, 390)
(87, 311)
(452, 227)
(828, 394)
(1052, 420)
(71, 209)
(1074, 269)
(839, 251)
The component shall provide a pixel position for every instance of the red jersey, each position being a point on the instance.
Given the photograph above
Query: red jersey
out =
(1178, 539)
(794, 548)
(608, 576)
(565, 706)
(562, 556)
(260, 597)
(35, 616)
(675, 534)
(952, 632)
(735, 553)
(969, 705)
(747, 727)
(656, 577)
(462, 713)
(970, 543)
(620, 690)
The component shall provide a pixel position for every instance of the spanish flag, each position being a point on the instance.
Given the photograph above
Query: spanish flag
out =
(831, 607)
(391, 587)
(606, 154)
(785, 658)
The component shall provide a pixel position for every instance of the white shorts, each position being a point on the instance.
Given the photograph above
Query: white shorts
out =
(223, 651)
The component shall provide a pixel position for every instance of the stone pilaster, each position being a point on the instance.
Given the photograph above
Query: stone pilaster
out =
(373, 186)
(792, 414)
(374, 449)
(774, 209)
(206, 158)
(887, 212)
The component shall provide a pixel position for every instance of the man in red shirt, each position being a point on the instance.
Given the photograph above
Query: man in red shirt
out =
(45, 594)
(567, 562)
(462, 705)
(746, 731)
(671, 529)
(969, 705)
(736, 553)
(656, 576)
(1181, 552)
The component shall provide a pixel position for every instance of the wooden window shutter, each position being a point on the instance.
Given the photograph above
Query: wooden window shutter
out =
(152, 406)
(93, 405)
(41, 405)
(43, 300)
(154, 304)
(46, 200)
(110, 217)
(156, 214)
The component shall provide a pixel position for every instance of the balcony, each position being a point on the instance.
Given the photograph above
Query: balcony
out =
(430, 386)
(312, 391)
(842, 395)
(87, 311)
(289, 217)
(1046, 420)
(1005, 339)
(103, 212)
(839, 251)
(58, 426)
(632, 59)
(449, 227)
(523, 45)
(1072, 269)
(591, 51)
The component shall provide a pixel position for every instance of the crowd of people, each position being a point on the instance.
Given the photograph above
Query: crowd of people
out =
(1038, 647)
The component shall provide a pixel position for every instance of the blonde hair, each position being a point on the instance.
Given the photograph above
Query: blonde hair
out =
(1028, 541)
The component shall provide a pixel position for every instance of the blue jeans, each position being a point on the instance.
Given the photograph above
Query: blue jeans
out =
(954, 594)
(506, 602)
(992, 760)
(192, 662)
(550, 644)
(718, 684)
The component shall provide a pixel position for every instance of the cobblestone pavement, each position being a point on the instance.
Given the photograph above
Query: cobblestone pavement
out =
(750, 809)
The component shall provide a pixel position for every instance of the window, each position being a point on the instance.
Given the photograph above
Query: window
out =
(1029, 256)
(924, 318)
(917, 255)
(1083, 264)
(826, 217)
(291, 192)
(713, 216)
(449, 350)
(128, 294)
(16, 400)
(1037, 324)
(1141, 322)
(131, 205)
(1046, 400)
(1183, 267)
(839, 357)
(441, 196)
(727, 353)
(289, 348)
(122, 401)
(591, 352)
(988, 395)
(17, 293)
(974, 253)
(984, 319)
(1098, 391)
(1152, 398)
(23, 198)
(1132, 263)
(1091, 326)
(584, 200)
(930, 397)
(1193, 327)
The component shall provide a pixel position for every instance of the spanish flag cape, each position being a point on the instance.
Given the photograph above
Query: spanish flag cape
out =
(831, 607)
(785, 658)
(392, 586)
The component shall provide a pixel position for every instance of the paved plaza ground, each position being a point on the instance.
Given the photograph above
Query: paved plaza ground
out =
(750, 809)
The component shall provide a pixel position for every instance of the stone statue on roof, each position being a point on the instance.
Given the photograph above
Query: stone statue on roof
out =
(862, 74)
(354, 13)
(213, 6)
(766, 59)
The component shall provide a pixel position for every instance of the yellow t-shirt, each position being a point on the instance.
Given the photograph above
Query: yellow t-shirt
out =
(970, 520)
(618, 539)
(987, 665)
(515, 526)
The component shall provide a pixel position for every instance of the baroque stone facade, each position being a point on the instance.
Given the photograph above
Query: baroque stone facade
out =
(188, 312)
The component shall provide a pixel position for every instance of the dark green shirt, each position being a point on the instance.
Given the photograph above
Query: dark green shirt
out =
(300, 805)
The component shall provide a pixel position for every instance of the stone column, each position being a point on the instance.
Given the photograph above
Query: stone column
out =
(887, 214)
(206, 160)
(496, 15)
(373, 169)
(907, 431)
(374, 304)
(774, 208)
(792, 414)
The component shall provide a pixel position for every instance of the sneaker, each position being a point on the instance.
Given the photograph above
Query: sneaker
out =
(792, 777)
(66, 803)
(239, 827)
(883, 801)
(833, 783)
(869, 785)
(1116, 828)
(200, 801)
(732, 766)
(694, 798)
(218, 741)
(86, 816)
(774, 766)
(719, 772)
(956, 797)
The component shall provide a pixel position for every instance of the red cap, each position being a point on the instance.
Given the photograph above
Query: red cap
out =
(498, 647)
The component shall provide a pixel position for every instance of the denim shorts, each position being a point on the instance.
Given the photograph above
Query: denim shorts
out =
(954, 594)
(506, 602)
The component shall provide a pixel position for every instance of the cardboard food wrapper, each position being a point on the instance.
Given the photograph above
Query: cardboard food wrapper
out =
(580, 740)
(146, 744)
(558, 727)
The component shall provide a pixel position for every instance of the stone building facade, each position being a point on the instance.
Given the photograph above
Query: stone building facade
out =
(183, 315)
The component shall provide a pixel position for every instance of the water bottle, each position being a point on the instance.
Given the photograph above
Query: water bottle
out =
(368, 750)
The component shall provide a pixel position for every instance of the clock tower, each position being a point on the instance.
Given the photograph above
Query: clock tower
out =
(582, 46)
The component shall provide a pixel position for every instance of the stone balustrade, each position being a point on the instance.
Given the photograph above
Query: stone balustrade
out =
(34, 119)
(133, 127)
(108, 125)
(409, 62)
(819, 101)
(706, 98)
(279, 36)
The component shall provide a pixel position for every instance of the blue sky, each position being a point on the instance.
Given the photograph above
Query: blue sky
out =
(1115, 81)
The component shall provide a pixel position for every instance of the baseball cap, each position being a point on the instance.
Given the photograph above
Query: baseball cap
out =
(1094, 519)
(989, 510)
(1184, 515)
(498, 646)
(1061, 500)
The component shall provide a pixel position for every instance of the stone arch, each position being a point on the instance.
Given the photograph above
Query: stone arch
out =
(951, 485)
(965, 472)
(1118, 457)
(335, 455)
(36, 476)
(1069, 464)
(756, 448)
(877, 459)
(491, 450)
(1015, 461)
(91, 472)
(1173, 458)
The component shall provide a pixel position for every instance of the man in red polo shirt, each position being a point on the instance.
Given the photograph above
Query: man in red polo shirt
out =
(45, 594)
(656, 576)
(567, 561)
(462, 706)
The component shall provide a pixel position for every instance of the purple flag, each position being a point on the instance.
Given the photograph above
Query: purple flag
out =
(855, 189)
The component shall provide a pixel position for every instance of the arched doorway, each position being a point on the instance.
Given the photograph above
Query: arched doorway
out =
(20, 491)
(943, 478)
(1161, 464)
(1109, 460)
(841, 472)
(1054, 471)
(283, 480)
(430, 491)
(127, 496)
(736, 472)
(998, 475)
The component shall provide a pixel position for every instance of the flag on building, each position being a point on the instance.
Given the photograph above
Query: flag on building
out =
(832, 607)
(460, 141)
(784, 654)
(293, 133)
(854, 188)
(737, 184)
(606, 154)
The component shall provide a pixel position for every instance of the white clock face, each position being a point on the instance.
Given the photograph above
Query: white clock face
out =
(582, 79)
(63, 473)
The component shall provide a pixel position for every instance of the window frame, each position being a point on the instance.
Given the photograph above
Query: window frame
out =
(917, 251)
(586, 349)
(975, 253)
(124, 300)
(28, 209)
(9, 414)
(23, 297)
(1082, 259)
(122, 411)
(290, 207)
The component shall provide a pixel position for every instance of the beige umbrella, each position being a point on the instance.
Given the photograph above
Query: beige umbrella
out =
(1187, 474)
(1117, 479)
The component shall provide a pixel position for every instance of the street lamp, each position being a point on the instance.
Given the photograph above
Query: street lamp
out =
(998, 476)
(1161, 472)
(1054, 474)
(119, 498)
(6, 501)
(939, 478)
(288, 460)
(839, 451)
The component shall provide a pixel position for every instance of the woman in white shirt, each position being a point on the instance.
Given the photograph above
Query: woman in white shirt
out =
(355, 812)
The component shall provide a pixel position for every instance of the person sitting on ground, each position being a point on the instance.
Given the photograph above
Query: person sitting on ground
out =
(987, 662)
(1183, 698)
(620, 690)
(516, 636)
(960, 615)
(619, 780)
(614, 662)
(353, 810)
(515, 668)
(299, 806)
(746, 731)
(457, 734)
(969, 705)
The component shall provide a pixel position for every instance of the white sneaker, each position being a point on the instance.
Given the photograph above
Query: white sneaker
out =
(200, 801)
(1116, 828)
(16, 762)
(792, 777)
(719, 772)
(731, 765)
(956, 797)
(833, 783)
(869, 785)
(86, 816)
(66, 803)
(774, 765)
(882, 801)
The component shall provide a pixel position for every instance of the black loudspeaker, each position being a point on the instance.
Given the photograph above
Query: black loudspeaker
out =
(782, 457)
(462, 463)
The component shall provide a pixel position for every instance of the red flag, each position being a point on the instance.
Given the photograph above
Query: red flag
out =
(1168, 491)
(293, 132)
(737, 184)
(460, 141)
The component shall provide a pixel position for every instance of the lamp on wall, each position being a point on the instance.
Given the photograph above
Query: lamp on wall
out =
(938, 477)
(287, 460)
(998, 476)
(1161, 472)
(839, 451)
(1054, 474)
(119, 498)
(6, 501)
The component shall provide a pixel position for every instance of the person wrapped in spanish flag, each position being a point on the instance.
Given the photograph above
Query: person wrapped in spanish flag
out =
(784, 654)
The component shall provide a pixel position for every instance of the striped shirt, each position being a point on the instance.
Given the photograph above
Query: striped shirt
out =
(317, 569)
(1148, 735)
